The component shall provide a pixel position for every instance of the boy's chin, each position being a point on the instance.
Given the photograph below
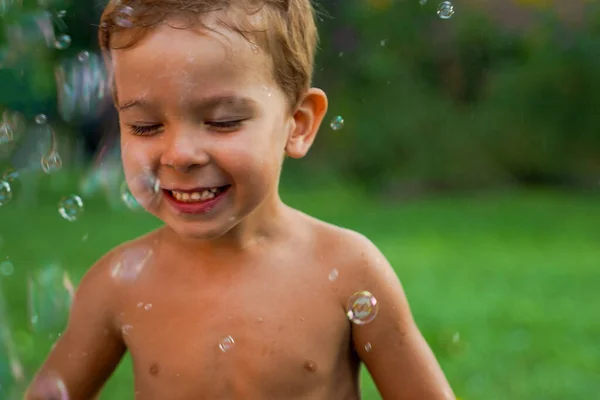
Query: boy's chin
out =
(197, 232)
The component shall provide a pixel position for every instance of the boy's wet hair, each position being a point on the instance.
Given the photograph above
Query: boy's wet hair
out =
(284, 29)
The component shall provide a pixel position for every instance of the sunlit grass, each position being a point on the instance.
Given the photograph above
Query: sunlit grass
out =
(503, 286)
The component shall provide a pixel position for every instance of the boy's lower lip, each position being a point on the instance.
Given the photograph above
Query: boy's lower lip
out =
(196, 207)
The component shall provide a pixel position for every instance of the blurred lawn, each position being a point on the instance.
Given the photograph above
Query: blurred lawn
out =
(504, 286)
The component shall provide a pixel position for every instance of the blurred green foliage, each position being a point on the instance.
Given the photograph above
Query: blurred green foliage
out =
(428, 103)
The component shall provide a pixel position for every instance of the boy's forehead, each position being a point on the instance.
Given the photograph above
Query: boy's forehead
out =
(192, 55)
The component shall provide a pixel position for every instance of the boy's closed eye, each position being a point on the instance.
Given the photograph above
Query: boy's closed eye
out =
(217, 126)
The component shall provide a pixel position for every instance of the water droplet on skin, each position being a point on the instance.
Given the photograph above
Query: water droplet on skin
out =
(445, 10)
(148, 307)
(226, 344)
(126, 329)
(333, 275)
(362, 308)
(368, 347)
(337, 123)
(41, 119)
(5, 193)
(62, 42)
(70, 207)
(140, 304)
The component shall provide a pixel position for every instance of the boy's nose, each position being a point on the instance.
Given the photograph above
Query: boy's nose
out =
(184, 152)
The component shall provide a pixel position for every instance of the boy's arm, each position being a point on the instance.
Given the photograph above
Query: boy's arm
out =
(398, 357)
(90, 348)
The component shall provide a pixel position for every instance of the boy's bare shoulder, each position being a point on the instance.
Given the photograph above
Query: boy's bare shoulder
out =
(352, 253)
(122, 263)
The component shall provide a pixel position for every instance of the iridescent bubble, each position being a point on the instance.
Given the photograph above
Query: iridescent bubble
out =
(6, 268)
(337, 123)
(6, 193)
(41, 119)
(124, 17)
(50, 386)
(70, 207)
(50, 295)
(362, 308)
(83, 56)
(445, 10)
(131, 262)
(5, 6)
(128, 198)
(6, 133)
(226, 344)
(62, 42)
(51, 162)
(368, 347)
(11, 176)
(61, 13)
(82, 85)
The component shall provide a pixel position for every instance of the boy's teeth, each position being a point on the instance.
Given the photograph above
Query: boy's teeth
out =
(206, 194)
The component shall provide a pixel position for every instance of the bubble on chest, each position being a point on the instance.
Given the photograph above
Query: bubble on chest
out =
(226, 344)
(362, 307)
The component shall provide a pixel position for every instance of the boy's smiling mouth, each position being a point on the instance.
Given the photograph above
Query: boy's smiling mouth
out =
(196, 195)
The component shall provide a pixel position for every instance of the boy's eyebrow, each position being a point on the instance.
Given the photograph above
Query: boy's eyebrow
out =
(205, 104)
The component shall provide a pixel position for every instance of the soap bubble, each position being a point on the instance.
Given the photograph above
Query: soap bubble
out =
(62, 42)
(124, 16)
(70, 207)
(51, 162)
(131, 262)
(362, 308)
(50, 295)
(337, 123)
(41, 119)
(50, 386)
(6, 268)
(445, 10)
(128, 198)
(82, 85)
(61, 13)
(5, 193)
(226, 344)
(6, 133)
(83, 56)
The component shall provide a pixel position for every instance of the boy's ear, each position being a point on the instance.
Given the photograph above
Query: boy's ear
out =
(307, 119)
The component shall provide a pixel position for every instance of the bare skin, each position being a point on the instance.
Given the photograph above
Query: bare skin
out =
(251, 268)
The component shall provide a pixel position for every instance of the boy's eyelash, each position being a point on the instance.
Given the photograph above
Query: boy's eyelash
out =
(146, 130)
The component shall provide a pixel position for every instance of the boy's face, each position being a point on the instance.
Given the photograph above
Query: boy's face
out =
(200, 110)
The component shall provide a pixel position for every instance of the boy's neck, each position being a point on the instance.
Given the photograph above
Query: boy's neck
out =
(268, 222)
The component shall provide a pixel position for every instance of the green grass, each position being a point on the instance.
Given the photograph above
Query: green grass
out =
(516, 275)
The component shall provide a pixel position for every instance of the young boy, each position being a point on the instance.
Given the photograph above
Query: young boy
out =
(237, 296)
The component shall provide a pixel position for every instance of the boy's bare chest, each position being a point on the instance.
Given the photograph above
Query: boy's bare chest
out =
(267, 334)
